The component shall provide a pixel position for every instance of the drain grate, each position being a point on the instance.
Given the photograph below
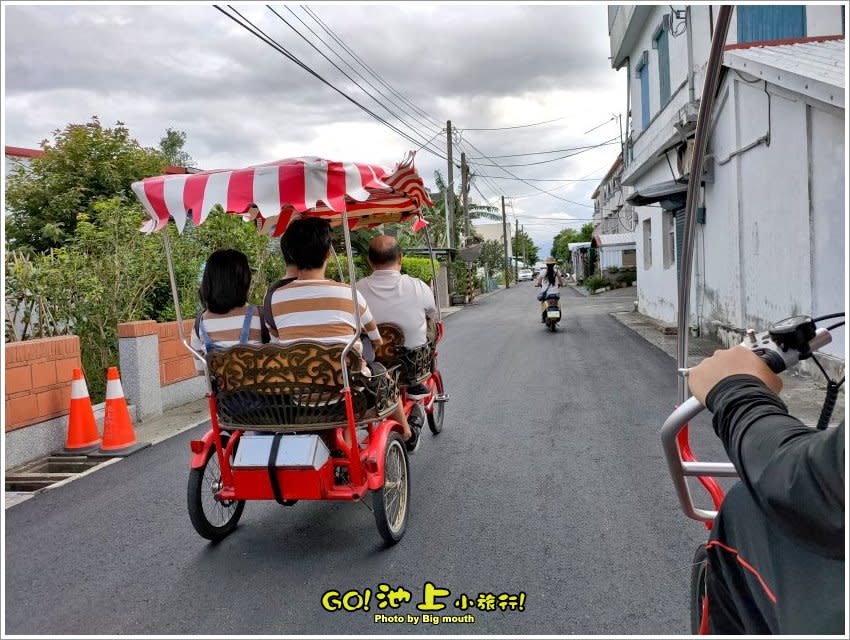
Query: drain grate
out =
(40, 474)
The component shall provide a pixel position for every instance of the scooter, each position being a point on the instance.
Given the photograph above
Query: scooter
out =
(551, 312)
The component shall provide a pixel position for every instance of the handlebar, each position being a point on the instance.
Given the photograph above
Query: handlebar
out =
(782, 347)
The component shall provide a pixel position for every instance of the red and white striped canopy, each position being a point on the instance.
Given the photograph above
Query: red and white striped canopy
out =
(276, 193)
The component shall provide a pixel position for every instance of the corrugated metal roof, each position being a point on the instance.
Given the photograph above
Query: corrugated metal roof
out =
(611, 239)
(814, 69)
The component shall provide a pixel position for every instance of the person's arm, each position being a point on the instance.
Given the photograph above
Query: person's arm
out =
(196, 343)
(794, 472)
(367, 321)
(428, 300)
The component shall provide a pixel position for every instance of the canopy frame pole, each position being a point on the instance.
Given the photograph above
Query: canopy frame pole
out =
(346, 234)
(712, 77)
(434, 272)
(338, 264)
(169, 259)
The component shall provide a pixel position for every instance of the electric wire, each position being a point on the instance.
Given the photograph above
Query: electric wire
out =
(338, 68)
(428, 126)
(365, 65)
(518, 126)
(533, 186)
(249, 26)
(540, 153)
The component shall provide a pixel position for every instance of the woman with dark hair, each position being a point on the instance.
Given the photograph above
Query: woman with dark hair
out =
(227, 318)
(549, 281)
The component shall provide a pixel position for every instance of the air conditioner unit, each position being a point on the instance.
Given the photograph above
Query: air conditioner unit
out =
(686, 118)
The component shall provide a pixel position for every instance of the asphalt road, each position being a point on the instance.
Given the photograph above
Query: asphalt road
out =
(548, 480)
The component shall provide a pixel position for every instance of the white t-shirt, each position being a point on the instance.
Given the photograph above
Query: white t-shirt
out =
(399, 299)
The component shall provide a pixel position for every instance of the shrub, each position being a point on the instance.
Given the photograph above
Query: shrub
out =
(419, 268)
(595, 282)
(626, 277)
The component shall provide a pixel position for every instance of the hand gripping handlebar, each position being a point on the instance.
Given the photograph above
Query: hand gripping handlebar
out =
(778, 359)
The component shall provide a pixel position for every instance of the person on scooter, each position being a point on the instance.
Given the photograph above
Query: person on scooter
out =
(776, 550)
(315, 308)
(398, 298)
(549, 283)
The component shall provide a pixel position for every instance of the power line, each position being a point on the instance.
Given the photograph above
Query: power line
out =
(530, 164)
(249, 26)
(518, 126)
(338, 68)
(366, 66)
(428, 126)
(533, 186)
(540, 153)
(481, 175)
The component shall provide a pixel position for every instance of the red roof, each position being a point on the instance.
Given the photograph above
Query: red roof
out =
(23, 152)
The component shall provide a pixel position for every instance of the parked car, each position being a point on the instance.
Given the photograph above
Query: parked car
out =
(525, 274)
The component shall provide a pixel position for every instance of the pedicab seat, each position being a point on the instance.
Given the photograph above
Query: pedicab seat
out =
(415, 364)
(294, 388)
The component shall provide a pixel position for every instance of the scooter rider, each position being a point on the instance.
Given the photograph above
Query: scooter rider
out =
(549, 281)
(776, 551)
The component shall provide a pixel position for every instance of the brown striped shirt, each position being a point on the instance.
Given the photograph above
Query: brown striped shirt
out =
(225, 328)
(320, 310)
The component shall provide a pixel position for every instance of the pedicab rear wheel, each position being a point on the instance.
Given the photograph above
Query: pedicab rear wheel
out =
(212, 518)
(698, 571)
(438, 409)
(390, 502)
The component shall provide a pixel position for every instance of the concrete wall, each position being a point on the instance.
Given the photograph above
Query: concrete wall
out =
(157, 371)
(775, 216)
(657, 286)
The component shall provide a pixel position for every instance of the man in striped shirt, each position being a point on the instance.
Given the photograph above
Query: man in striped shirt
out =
(315, 308)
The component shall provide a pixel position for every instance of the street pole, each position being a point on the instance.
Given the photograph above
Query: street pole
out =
(524, 249)
(505, 237)
(450, 195)
(516, 252)
(464, 190)
(464, 187)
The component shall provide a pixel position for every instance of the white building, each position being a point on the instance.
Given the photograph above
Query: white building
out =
(494, 231)
(770, 230)
(613, 220)
(15, 157)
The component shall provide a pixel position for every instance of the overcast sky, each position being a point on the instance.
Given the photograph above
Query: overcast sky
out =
(240, 102)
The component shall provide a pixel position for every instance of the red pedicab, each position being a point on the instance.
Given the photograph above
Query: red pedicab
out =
(271, 404)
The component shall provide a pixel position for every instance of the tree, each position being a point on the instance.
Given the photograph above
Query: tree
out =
(85, 163)
(492, 257)
(171, 146)
(560, 248)
(523, 247)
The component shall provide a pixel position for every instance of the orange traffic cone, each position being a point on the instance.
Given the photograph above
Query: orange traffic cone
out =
(83, 436)
(119, 439)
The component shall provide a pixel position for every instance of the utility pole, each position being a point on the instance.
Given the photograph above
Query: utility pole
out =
(516, 252)
(524, 249)
(450, 194)
(505, 237)
(464, 188)
(464, 191)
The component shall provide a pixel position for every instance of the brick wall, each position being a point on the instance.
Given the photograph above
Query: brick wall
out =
(38, 379)
(175, 361)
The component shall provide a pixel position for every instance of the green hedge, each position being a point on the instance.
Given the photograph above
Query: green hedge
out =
(419, 268)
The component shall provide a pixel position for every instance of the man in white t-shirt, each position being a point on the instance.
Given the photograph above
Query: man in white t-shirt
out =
(397, 298)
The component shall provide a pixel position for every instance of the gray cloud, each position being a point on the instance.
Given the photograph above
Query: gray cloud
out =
(190, 68)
